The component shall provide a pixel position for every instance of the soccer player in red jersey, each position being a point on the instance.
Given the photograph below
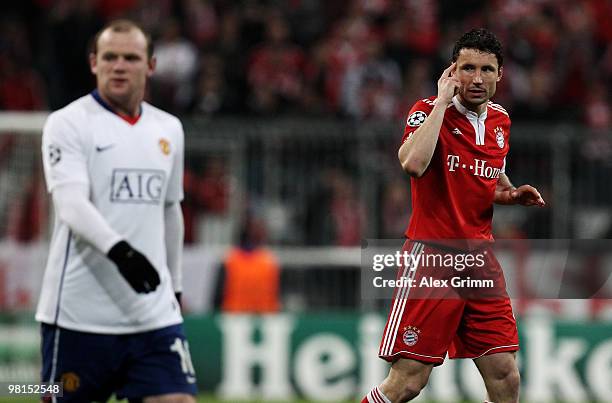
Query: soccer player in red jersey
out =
(454, 148)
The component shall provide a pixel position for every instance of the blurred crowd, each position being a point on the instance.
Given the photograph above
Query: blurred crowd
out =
(355, 58)
(352, 59)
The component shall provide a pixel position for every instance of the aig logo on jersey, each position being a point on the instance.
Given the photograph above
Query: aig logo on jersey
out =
(164, 146)
(137, 185)
(499, 136)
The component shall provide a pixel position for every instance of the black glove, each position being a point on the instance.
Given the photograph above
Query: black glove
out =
(134, 267)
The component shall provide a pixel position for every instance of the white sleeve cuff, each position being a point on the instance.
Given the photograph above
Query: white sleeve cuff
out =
(174, 230)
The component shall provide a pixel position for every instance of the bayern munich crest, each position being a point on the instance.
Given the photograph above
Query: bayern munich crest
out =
(416, 119)
(499, 136)
(411, 335)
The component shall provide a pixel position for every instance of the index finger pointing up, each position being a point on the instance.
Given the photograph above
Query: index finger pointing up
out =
(448, 70)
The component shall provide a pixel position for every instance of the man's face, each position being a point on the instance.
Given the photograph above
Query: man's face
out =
(121, 66)
(478, 73)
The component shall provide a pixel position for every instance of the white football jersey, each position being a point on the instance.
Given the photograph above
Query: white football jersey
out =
(131, 170)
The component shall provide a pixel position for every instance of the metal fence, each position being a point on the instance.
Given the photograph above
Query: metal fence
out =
(320, 187)
(308, 176)
(331, 182)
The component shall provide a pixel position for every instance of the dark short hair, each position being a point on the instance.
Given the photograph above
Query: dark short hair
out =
(121, 25)
(480, 39)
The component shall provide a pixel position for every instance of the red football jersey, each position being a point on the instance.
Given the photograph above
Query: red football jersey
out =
(454, 197)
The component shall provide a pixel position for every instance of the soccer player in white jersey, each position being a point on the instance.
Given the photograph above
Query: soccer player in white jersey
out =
(109, 306)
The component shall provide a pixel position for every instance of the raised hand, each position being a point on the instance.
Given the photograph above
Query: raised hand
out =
(447, 84)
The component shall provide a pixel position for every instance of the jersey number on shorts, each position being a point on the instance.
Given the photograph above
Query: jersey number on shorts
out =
(182, 349)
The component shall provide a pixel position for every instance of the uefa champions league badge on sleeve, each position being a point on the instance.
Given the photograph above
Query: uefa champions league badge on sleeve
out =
(416, 119)
(499, 136)
(411, 335)
(55, 154)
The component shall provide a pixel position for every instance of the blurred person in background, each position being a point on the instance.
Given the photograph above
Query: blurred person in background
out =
(233, 53)
(417, 82)
(276, 70)
(73, 23)
(22, 87)
(249, 278)
(371, 88)
(334, 214)
(596, 145)
(343, 50)
(201, 22)
(454, 147)
(206, 204)
(114, 167)
(394, 215)
(214, 95)
(172, 85)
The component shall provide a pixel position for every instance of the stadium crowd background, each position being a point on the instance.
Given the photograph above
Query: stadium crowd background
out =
(359, 58)
(350, 61)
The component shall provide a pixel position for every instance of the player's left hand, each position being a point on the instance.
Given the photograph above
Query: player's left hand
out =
(527, 195)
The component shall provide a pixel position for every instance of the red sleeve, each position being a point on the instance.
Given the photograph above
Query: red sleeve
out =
(417, 115)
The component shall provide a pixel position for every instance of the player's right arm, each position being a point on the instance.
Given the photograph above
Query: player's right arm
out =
(65, 167)
(417, 150)
(73, 207)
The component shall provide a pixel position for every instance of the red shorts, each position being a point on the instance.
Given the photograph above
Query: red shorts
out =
(425, 323)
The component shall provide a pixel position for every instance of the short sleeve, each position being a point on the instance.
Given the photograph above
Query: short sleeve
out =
(63, 153)
(175, 184)
(417, 115)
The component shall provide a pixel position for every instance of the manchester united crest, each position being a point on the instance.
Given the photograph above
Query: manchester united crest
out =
(164, 145)
(499, 136)
(411, 335)
(71, 381)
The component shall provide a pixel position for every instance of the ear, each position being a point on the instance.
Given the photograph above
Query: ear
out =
(93, 66)
(152, 64)
(500, 74)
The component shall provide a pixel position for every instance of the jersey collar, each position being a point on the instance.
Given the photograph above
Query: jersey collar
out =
(132, 120)
(459, 106)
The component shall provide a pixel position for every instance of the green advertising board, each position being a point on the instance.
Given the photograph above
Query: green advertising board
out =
(333, 357)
